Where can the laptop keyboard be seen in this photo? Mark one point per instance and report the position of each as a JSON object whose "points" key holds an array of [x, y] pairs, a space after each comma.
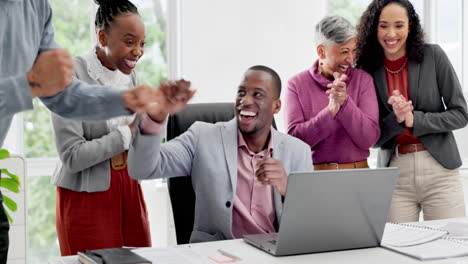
{"points": [[272, 242]]}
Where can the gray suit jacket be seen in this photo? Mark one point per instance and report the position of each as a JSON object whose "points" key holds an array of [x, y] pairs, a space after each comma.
{"points": [[85, 147], [208, 152], [439, 108]]}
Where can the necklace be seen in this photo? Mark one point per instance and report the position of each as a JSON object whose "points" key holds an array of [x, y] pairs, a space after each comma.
{"points": [[399, 70]]}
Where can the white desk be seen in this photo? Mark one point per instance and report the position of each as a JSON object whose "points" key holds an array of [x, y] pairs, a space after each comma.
{"points": [[250, 254]]}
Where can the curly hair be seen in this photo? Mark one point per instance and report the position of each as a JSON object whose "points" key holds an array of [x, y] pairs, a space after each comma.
{"points": [[369, 51]]}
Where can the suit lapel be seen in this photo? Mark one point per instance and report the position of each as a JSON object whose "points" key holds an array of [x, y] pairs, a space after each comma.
{"points": [[380, 81], [413, 76], [278, 151], [277, 145], [229, 138], [230, 144]]}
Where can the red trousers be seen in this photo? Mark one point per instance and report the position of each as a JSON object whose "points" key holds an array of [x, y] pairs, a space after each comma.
{"points": [[113, 218]]}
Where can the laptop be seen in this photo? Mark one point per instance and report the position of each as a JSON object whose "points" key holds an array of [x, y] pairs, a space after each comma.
{"points": [[331, 210]]}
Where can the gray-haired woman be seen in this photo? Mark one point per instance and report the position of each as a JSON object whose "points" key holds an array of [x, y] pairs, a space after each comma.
{"points": [[333, 106]]}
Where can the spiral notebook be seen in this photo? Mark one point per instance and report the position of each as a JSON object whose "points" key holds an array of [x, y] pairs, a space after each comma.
{"points": [[403, 235], [437, 249], [422, 242]]}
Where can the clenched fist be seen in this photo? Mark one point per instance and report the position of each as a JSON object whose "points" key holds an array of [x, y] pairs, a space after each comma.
{"points": [[137, 98], [52, 72], [271, 172], [172, 97]]}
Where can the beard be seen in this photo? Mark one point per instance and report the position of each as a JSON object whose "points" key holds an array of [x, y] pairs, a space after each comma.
{"points": [[252, 131]]}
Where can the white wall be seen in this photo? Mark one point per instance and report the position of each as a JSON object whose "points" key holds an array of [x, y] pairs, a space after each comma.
{"points": [[220, 39]]}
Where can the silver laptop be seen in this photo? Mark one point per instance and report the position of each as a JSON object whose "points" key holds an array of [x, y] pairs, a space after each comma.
{"points": [[331, 210]]}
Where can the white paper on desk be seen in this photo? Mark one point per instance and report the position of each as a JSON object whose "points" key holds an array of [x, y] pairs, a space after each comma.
{"points": [[457, 230], [171, 255], [66, 260], [403, 235], [437, 249]]}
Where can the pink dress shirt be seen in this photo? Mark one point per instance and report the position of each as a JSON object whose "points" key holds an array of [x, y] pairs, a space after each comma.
{"points": [[254, 210], [150, 127]]}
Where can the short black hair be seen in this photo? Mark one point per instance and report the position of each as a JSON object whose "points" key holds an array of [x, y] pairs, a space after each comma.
{"points": [[109, 9], [273, 74]]}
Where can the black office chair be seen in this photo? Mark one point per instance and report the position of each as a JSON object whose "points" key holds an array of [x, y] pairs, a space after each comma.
{"points": [[180, 188]]}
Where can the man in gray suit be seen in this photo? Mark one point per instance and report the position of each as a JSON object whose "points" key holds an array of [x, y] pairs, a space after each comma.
{"points": [[239, 168]]}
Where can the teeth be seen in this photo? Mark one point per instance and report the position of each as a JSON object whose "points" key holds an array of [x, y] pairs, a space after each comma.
{"points": [[247, 113], [391, 42], [343, 68], [131, 63]]}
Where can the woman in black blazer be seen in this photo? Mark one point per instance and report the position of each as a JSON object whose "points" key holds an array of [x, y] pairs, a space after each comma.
{"points": [[421, 102]]}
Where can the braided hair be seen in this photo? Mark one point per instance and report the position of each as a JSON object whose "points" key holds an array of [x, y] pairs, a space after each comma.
{"points": [[109, 9]]}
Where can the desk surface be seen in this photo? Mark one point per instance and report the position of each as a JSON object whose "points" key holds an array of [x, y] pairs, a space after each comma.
{"points": [[250, 254]]}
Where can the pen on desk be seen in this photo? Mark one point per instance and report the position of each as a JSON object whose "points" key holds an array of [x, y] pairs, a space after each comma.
{"points": [[228, 254]]}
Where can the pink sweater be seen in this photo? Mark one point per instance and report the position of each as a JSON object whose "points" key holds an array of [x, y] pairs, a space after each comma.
{"points": [[343, 139]]}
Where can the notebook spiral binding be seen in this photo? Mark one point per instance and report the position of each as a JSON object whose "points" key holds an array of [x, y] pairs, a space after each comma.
{"points": [[455, 240], [420, 226]]}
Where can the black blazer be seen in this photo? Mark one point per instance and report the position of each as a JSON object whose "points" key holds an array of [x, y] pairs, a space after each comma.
{"points": [[439, 108]]}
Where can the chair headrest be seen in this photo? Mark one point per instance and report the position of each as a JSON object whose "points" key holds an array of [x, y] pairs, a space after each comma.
{"points": [[206, 112]]}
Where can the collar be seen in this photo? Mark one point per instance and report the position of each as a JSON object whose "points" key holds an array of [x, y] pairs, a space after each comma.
{"points": [[105, 76], [322, 80], [242, 144]]}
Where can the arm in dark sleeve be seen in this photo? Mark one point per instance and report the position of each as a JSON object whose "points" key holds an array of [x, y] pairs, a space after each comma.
{"points": [[87, 102], [79, 100], [455, 115], [389, 129]]}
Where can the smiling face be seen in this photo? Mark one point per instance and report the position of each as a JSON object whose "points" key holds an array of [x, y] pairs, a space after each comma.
{"points": [[393, 30], [337, 58], [123, 44], [256, 102]]}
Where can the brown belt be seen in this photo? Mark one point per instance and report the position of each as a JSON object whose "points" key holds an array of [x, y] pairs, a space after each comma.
{"points": [[341, 166], [119, 162], [410, 148]]}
